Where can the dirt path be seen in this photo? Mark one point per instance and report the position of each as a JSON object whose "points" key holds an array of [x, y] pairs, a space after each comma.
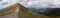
{"points": [[12, 15]]}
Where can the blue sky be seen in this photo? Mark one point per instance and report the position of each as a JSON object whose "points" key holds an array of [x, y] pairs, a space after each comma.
{"points": [[31, 3]]}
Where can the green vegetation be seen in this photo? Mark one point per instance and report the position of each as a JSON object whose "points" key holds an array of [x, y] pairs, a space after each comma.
{"points": [[9, 10], [26, 13]]}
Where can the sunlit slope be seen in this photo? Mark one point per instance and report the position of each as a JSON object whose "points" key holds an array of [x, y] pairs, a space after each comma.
{"points": [[23, 12], [9, 10], [26, 13]]}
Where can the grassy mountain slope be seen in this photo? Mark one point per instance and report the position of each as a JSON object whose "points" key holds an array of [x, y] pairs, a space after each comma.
{"points": [[23, 12], [26, 13], [9, 10]]}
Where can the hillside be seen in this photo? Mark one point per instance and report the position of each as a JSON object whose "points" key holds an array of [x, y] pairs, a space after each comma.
{"points": [[26, 13], [8, 10], [23, 12]]}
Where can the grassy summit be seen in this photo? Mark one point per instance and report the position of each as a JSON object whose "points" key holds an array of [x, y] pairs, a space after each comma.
{"points": [[23, 12], [26, 13]]}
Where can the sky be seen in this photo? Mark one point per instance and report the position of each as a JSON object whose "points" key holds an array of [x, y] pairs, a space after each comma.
{"points": [[31, 3], [41, 3], [6, 3]]}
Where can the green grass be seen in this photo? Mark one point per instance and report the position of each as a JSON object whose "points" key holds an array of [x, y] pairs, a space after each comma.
{"points": [[9, 10], [26, 13]]}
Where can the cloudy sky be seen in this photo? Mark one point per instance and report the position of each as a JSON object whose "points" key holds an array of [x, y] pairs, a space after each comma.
{"points": [[31, 3]]}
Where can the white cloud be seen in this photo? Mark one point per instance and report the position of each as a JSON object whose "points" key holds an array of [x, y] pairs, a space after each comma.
{"points": [[40, 3], [9, 2], [45, 3]]}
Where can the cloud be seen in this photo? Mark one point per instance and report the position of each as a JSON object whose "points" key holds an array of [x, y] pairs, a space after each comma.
{"points": [[6, 3], [45, 3], [38, 3]]}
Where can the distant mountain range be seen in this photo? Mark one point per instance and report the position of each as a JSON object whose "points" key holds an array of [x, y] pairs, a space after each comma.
{"points": [[40, 10]]}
